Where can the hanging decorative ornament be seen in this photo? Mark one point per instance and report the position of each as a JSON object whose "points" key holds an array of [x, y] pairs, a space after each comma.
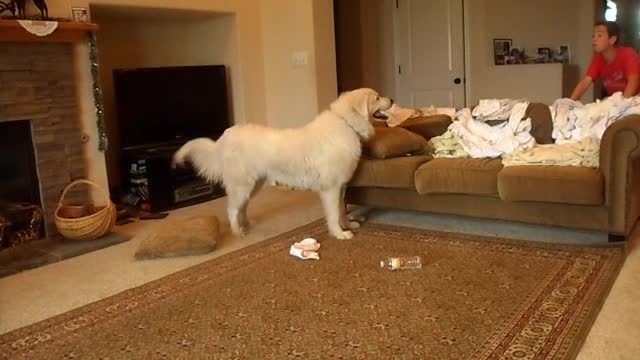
{"points": [[103, 141]]}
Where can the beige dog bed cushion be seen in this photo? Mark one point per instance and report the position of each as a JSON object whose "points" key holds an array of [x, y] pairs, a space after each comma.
{"points": [[180, 236]]}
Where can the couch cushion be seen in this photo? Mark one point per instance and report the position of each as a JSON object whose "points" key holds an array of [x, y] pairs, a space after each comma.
{"points": [[392, 142], [559, 184], [390, 173], [427, 126], [459, 176]]}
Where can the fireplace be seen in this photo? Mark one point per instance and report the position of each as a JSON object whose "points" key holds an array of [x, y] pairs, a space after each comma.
{"points": [[41, 155], [18, 175]]}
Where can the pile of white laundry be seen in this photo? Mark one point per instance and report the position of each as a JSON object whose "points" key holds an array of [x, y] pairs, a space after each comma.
{"points": [[479, 139], [577, 130], [573, 121]]}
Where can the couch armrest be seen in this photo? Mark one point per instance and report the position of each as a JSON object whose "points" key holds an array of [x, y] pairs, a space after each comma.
{"points": [[620, 165]]}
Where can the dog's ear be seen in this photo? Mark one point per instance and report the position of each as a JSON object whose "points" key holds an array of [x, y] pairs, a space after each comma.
{"points": [[353, 107], [352, 103], [361, 105]]}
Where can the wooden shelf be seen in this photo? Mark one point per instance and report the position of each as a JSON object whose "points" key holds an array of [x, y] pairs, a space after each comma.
{"points": [[12, 31]]}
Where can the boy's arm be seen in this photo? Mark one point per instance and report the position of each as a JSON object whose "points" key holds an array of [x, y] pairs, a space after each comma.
{"points": [[632, 86], [583, 85], [631, 70]]}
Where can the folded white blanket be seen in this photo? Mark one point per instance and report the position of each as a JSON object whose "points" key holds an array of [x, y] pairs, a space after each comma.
{"points": [[578, 153]]}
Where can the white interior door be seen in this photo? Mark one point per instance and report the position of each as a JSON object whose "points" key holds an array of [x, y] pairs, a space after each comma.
{"points": [[429, 53]]}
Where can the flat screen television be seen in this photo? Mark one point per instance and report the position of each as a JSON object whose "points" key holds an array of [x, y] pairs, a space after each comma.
{"points": [[170, 105]]}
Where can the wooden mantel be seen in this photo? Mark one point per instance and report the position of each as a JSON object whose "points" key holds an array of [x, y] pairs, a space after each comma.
{"points": [[12, 31]]}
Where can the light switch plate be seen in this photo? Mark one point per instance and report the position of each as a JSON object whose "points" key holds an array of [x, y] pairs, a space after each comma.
{"points": [[299, 58]]}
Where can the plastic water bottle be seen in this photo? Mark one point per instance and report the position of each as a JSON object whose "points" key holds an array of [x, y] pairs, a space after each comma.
{"points": [[401, 263]]}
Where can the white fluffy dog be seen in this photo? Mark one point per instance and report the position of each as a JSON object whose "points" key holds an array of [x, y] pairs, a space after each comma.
{"points": [[320, 156]]}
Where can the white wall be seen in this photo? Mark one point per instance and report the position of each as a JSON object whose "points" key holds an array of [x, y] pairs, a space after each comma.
{"points": [[325, 53], [290, 91]]}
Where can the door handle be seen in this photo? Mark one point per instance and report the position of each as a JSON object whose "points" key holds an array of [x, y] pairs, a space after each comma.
{"points": [[457, 81]]}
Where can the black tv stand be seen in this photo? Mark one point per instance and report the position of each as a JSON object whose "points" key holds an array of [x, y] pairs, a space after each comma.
{"points": [[153, 185]]}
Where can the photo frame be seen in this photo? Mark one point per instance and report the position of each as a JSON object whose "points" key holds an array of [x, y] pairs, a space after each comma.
{"points": [[80, 14], [501, 50], [565, 54], [545, 53]]}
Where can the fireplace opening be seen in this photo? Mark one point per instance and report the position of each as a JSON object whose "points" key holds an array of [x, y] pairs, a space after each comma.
{"points": [[21, 217], [18, 175]]}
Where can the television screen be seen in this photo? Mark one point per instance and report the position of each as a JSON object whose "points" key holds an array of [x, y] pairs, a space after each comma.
{"points": [[170, 105]]}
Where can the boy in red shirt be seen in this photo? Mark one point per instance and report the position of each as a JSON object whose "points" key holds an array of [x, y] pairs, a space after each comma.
{"points": [[616, 66]]}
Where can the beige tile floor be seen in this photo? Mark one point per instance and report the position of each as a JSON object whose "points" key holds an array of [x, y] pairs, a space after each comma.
{"points": [[38, 294]]}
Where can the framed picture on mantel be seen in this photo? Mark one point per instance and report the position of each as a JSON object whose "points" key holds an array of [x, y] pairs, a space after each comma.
{"points": [[501, 50], [80, 14]]}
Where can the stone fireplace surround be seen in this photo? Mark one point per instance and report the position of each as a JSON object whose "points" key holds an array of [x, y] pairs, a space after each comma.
{"points": [[37, 84], [47, 81]]}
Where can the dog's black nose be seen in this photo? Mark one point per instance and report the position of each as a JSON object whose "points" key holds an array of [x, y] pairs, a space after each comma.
{"points": [[390, 99]]}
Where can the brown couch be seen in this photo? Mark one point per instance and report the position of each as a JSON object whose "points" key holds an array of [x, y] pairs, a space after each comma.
{"points": [[603, 199]]}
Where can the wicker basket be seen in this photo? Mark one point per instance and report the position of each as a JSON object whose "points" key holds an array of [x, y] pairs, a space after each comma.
{"points": [[85, 222]]}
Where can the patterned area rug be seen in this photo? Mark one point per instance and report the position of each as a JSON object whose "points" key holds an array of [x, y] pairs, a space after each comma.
{"points": [[475, 298]]}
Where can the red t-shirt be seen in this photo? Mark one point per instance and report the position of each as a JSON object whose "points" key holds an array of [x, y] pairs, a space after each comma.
{"points": [[614, 75]]}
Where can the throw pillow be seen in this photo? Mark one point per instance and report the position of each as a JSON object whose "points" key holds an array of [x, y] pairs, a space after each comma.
{"points": [[394, 142], [427, 126]]}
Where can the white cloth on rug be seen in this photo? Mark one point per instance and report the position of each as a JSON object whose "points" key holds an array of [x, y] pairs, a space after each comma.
{"points": [[306, 249], [494, 109], [482, 140]]}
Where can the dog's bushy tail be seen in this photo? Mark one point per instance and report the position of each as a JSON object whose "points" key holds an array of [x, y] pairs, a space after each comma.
{"points": [[203, 154]]}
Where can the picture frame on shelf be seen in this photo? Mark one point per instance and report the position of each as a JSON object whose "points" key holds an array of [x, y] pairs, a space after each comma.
{"points": [[80, 14], [545, 54], [565, 54], [501, 50]]}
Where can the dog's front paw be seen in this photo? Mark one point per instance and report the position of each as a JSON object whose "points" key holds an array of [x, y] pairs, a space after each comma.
{"points": [[345, 235]]}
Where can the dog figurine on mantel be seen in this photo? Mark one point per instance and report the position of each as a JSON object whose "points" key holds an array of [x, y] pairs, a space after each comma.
{"points": [[19, 5]]}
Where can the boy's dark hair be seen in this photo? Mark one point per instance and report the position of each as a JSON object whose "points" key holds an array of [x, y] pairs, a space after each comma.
{"points": [[612, 29]]}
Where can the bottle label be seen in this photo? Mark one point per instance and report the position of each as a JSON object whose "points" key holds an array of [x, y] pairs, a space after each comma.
{"points": [[395, 263]]}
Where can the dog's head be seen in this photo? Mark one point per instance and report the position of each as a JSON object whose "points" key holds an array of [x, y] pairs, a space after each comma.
{"points": [[358, 107]]}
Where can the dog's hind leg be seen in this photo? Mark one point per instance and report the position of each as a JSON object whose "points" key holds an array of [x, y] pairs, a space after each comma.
{"points": [[243, 218], [344, 220], [237, 202], [331, 203]]}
